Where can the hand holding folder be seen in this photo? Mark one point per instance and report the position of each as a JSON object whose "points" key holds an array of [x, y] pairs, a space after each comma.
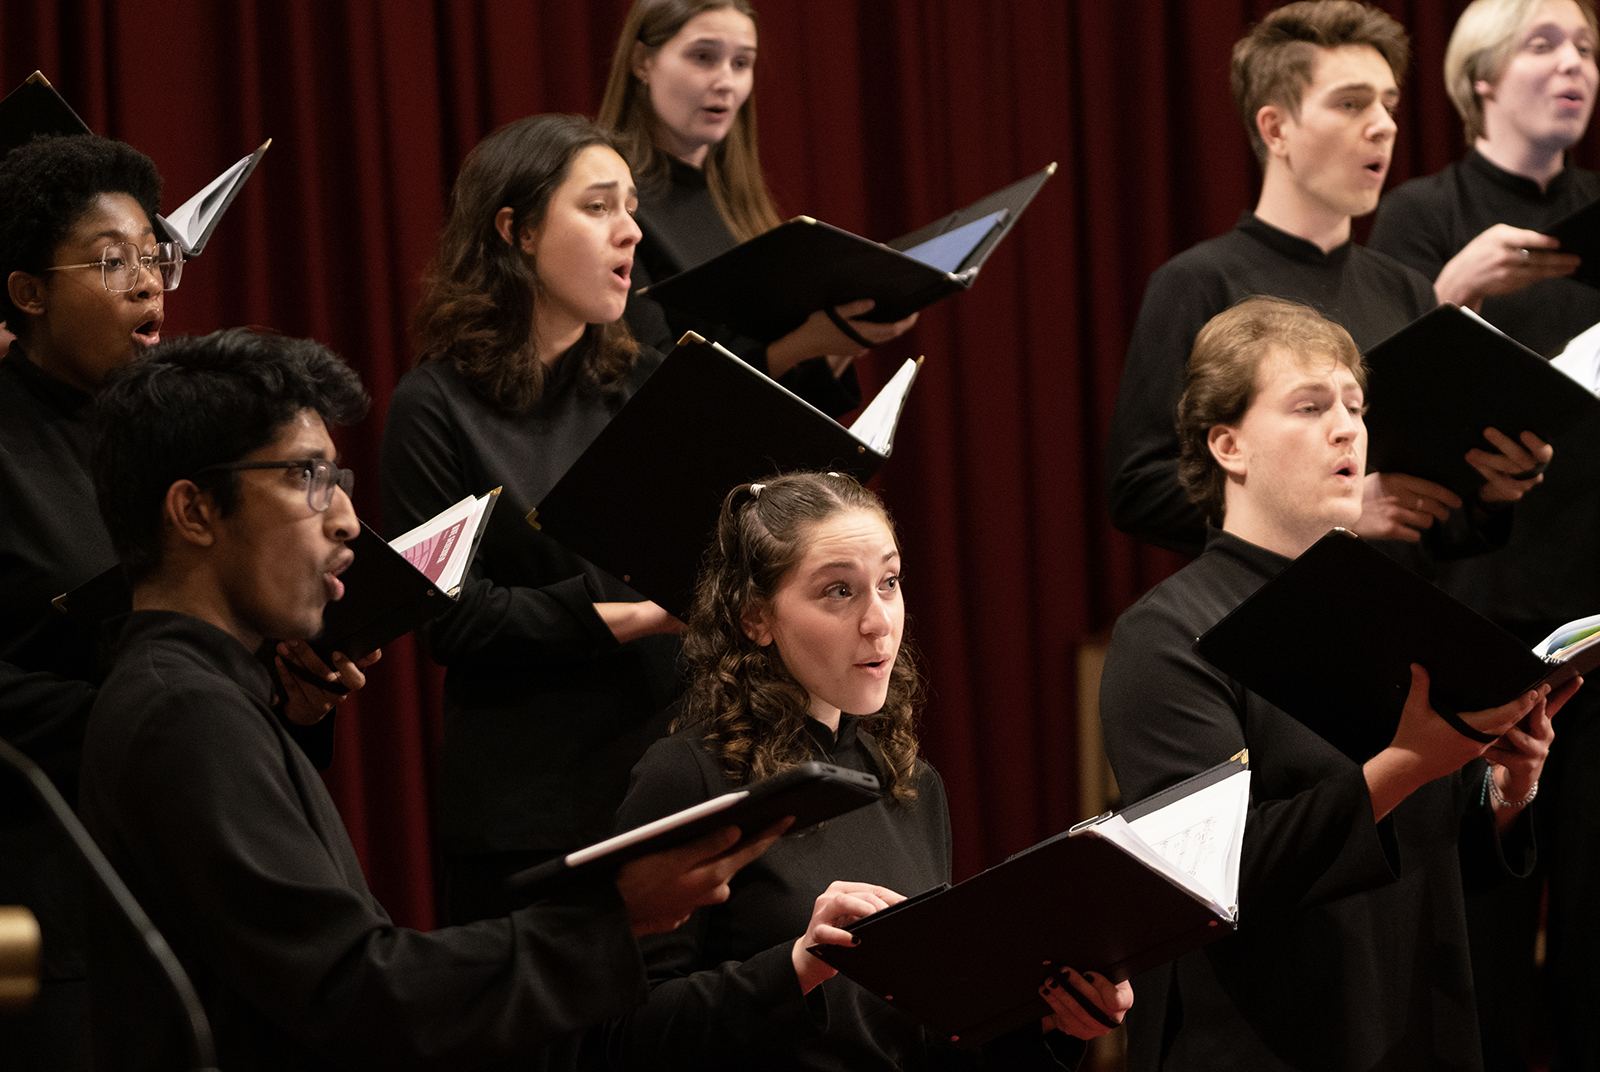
{"points": [[770, 285], [1436, 385], [1114, 895]]}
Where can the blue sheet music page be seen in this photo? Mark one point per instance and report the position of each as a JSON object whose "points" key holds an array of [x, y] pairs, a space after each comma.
{"points": [[950, 249]]}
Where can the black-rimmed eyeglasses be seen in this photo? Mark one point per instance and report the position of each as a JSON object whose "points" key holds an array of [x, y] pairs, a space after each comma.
{"points": [[321, 477], [121, 263]]}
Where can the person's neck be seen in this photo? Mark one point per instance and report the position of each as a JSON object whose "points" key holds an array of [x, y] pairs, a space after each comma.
{"points": [[191, 592], [556, 338], [1536, 162], [693, 155], [1286, 207], [1288, 540], [45, 356], [828, 716]]}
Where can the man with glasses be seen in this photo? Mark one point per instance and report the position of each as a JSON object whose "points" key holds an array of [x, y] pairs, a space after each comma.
{"points": [[85, 281], [218, 484]]}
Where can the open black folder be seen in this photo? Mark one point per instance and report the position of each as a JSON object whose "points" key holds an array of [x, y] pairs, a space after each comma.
{"points": [[811, 792], [1117, 895], [385, 594], [641, 502], [768, 286], [1331, 639], [1579, 232], [1437, 383], [35, 108]]}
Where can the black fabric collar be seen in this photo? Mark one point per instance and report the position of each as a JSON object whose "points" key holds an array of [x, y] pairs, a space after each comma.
{"points": [[215, 647], [1520, 185], [1253, 558], [58, 395], [1292, 246], [829, 741], [686, 174]]}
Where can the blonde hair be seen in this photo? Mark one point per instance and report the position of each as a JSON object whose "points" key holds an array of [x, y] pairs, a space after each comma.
{"points": [[1481, 45], [732, 167], [1275, 61]]}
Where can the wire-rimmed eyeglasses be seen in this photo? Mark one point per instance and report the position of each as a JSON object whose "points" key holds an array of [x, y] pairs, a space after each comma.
{"points": [[321, 477], [121, 263]]}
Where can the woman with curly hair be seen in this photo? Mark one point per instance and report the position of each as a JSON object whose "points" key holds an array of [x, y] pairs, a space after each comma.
{"points": [[556, 671], [796, 650], [681, 92]]}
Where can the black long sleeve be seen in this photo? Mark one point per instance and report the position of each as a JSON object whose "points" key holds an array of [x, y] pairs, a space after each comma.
{"points": [[723, 988], [1369, 294], [230, 841], [1351, 942], [682, 230]]}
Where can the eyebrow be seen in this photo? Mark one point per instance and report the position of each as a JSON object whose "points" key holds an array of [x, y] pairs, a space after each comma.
{"points": [[850, 563], [113, 235], [719, 41], [611, 185], [1370, 87]]}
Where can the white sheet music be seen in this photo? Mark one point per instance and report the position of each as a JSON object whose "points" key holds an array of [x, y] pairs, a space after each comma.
{"points": [[1581, 359]]}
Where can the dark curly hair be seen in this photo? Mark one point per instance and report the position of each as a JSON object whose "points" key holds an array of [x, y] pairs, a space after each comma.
{"points": [[750, 707], [194, 401], [480, 293], [47, 185]]}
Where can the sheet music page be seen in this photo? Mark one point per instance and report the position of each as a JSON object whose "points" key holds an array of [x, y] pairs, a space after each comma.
{"points": [[1195, 841], [441, 547], [1581, 359], [875, 427], [1202, 834]]}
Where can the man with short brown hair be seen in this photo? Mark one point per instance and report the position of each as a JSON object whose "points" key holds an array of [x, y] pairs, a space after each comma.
{"points": [[1316, 83], [1351, 949]]}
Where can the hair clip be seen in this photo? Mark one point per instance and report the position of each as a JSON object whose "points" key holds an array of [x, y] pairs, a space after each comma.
{"points": [[755, 490]]}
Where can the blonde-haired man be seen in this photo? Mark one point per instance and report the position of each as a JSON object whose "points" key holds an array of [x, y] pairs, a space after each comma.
{"points": [[1523, 75]]}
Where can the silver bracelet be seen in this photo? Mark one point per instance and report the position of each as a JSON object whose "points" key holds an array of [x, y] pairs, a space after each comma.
{"points": [[1502, 802]]}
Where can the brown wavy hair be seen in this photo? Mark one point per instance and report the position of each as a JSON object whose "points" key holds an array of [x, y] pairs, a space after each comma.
{"points": [[480, 294], [752, 710], [1220, 386], [732, 167]]}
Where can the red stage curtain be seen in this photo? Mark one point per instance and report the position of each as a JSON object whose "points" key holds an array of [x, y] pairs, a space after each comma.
{"points": [[876, 115]]}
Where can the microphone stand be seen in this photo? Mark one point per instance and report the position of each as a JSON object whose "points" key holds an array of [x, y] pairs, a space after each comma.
{"points": [[201, 1048]]}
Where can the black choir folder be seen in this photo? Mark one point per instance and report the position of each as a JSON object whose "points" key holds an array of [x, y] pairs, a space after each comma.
{"points": [[1117, 895], [768, 286], [1437, 383], [1579, 232], [390, 588], [35, 108], [642, 501], [811, 792], [1331, 639]]}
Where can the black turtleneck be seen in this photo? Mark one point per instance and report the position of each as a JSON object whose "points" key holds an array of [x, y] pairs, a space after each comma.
{"points": [[1549, 573], [545, 713], [1351, 948], [1428, 220], [724, 993], [1368, 294], [228, 838], [51, 541], [682, 230]]}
